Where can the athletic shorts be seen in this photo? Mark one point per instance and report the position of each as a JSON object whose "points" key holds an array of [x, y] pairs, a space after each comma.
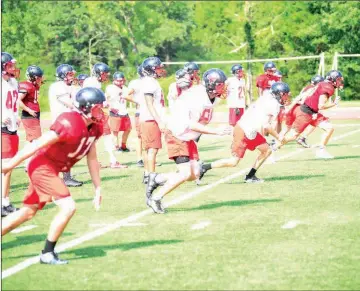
{"points": [[241, 143], [32, 128], [150, 135], [235, 115], [9, 145], [180, 148], [303, 119], [120, 123], [45, 183]]}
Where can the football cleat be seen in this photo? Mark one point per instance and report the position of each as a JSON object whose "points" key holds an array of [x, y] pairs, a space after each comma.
{"points": [[117, 165], [253, 180], [145, 179], [323, 154], [156, 206], [152, 185], [51, 258], [124, 150], [4, 212], [158, 164], [302, 141], [71, 182], [140, 164], [202, 171], [10, 208]]}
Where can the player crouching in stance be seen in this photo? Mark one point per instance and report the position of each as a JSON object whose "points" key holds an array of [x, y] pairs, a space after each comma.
{"points": [[248, 132], [185, 125], [71, 137], [308, 113]]}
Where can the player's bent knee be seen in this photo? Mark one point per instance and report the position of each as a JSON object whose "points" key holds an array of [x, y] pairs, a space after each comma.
{"points": [[67, 205]]}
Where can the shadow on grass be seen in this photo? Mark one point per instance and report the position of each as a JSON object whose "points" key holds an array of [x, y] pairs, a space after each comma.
{"points": [[101, 251], [282, 178], [232, 203], [106, 178], [22, 240], [336, 158]]}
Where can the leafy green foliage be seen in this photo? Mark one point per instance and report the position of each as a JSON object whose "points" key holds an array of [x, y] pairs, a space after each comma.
{"points": [[122, 34]]}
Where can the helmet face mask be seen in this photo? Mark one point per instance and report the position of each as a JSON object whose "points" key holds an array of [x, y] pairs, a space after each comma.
{"points": [[35, 75], [97, 115], [66, 73], [281, 92], [183, 79], [153, 67], [214, 81], [11, 69], [89, 101], [270, 68], [70, 77], [160, 71]]}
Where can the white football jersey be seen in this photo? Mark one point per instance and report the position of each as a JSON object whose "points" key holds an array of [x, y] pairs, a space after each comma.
{"points": [[9, 106], [136, 86], [57, 90], [258, 115], [114, 96], [151, 86], [92, 82], [235, 92], [172, 95], [193, 105]]}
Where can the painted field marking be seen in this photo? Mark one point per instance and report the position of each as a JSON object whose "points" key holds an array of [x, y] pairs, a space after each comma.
{"points": [[291, 224], [133, 218], [201, 225], [24, 228]]}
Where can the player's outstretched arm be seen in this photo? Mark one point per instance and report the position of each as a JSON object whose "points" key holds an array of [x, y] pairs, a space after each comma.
{"points": [[29, 149], [93, 165], [198, 127]]}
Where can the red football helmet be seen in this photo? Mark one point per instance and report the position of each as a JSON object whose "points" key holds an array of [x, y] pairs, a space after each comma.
{"points": [[8, 66]]}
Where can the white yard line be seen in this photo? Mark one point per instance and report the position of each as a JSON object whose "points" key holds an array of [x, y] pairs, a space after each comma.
{"points": [[133, 218], [24, 228]]}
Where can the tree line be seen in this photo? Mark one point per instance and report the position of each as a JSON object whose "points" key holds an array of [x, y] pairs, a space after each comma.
{"points": [[122, 34]]}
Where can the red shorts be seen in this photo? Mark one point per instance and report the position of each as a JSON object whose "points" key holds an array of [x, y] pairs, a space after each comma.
{"points": [[32, 128], [233, 117], [281, 115], [106, 128], [45, 183], [303, 119], [180, 148], [122, 123], [137, 125], [241, 143], [9, 145], [150, 135]]}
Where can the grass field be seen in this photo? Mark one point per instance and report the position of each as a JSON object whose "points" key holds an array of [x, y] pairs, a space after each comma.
{"points": [[298, 230]]}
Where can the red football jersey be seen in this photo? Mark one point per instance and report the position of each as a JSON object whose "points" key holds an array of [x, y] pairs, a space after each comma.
{"points": [[265, 81], [75, 140], [32, 94], [322, 88], [307, 87]]}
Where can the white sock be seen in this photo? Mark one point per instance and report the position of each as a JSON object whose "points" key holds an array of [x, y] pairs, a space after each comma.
{"points": [[108, 143], [5, 201]]}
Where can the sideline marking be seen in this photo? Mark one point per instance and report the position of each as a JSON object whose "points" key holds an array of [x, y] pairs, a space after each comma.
{"points": [[99, 232], [291, 224]]}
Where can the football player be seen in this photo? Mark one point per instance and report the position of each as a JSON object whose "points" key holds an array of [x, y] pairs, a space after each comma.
{"points": [[9, 123], [152, 113], [29, 103], [135, 92], [264, 81], [72, 136], [193, 112], [308, 113], [60, 101], [236, 100], [301, 140], [100, 74], [117, 95], [249, 131], [81, 78], [194, 70]]}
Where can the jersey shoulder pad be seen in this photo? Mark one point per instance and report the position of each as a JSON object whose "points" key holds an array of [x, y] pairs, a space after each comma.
{"points": [[26, 87], [68, 125], [326, 88]]}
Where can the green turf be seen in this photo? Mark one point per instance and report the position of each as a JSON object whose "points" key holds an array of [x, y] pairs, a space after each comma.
{"points": [[243, 247]]}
